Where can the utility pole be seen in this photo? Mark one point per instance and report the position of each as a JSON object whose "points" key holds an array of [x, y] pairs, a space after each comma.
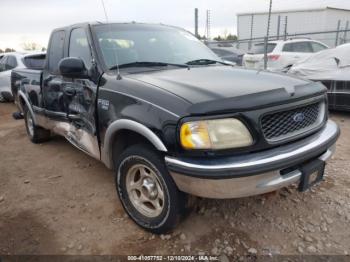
{"points": [[196, 22], [251, 32], [345, 40], [267, 35], [337, 34], [285, 28], [208, 25], [278, 27]]}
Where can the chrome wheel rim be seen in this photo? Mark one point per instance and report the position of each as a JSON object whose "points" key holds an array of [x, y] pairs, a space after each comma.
{"points": [[144, 190], [30, 124]]}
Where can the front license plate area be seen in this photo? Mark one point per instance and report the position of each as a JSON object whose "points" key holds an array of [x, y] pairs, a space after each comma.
{"points": [[312, 173]]}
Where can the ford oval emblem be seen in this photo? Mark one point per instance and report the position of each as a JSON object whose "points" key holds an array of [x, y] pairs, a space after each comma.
{"points": [[299, 117]]}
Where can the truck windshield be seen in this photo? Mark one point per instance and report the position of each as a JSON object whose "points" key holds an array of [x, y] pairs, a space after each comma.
{"points": [[132, 43]]}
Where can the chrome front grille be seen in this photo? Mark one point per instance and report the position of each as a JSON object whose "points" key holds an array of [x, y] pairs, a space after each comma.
{"points": [[289, 123]]}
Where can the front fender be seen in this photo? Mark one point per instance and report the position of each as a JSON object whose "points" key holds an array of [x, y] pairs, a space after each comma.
{"points": [[127, 124]]}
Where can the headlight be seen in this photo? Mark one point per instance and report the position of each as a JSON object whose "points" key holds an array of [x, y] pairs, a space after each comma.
{"points": [[215, 134]]}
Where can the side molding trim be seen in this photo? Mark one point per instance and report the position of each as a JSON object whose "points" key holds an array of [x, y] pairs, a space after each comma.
{"points": [[127, 124], [26, 101]]}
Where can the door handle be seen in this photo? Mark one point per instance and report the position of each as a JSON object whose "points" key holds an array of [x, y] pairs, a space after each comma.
{"points": [[77, 120], [74, 117], [69, 91]]}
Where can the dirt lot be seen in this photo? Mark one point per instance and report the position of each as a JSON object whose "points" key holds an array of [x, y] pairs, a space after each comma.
{"points": [[54, 199]]}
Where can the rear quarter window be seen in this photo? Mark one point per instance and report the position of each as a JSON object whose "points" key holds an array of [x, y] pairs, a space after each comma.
{"points": [[34, 62], [56, 50], [298, 47], [317, 47]]}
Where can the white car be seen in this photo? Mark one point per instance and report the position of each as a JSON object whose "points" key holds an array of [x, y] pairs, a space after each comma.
{"points": [[9, 61], [332, 68], [282, 54]]}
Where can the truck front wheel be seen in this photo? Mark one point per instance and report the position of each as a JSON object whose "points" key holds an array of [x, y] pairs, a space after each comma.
{"points": [[148, 193], [36, 133]]}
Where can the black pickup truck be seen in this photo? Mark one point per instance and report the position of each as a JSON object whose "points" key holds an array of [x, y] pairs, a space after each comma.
{"points": [[172, 119]]}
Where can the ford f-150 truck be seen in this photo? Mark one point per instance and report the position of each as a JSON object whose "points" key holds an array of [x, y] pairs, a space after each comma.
{"points": [[161, 109]]}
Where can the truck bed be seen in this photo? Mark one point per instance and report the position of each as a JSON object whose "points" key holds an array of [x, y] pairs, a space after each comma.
{"points": [[27, 81]]}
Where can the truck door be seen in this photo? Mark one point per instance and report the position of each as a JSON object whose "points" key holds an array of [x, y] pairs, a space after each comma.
{"points": [[52, 89], [80, 97]]}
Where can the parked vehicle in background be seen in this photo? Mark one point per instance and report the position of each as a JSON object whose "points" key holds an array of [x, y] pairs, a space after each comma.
{"points": [[332, 68], [10, 61], [31, 62], [281, 54], [158, 107], [230, 54], [227, 52]]}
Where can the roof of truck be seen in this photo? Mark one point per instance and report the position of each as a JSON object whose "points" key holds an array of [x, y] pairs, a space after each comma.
{"points": [[82, 24]]}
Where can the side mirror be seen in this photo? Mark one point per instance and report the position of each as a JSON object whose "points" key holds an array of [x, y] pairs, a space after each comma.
{"points": [[72, 67]]}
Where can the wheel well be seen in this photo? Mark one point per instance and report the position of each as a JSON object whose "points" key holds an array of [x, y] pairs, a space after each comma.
{"points": [[22, 102], [125, 138]]}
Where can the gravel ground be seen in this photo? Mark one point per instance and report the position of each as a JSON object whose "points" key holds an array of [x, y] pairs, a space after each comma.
{"points": [[54, 199]]}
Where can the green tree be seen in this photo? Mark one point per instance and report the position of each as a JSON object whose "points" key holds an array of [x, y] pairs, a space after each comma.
{"points": [[7, 50], [218, 38], [30, 46], [201, 37], [231, 37]]}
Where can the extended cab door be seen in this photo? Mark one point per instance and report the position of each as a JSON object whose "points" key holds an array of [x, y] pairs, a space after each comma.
{"points": [[70, 102], [55, 107], [80, 95]]}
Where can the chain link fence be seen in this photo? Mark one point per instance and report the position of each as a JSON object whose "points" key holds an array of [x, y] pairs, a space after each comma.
{"points": [[330, 38]]}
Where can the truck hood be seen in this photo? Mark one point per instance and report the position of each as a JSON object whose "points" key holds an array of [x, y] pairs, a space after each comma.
{"points": [[224, 88]]}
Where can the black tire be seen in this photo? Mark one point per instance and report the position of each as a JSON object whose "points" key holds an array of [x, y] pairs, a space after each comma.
{"points": [[36, 134], [174, 204]]}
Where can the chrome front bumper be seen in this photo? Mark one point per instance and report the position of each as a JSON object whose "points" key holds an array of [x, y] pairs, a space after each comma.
{"points": [[253, 174]]}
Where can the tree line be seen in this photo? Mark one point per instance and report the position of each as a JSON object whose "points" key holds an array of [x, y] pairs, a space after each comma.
{"points": [[26, 46], [228, 37]]}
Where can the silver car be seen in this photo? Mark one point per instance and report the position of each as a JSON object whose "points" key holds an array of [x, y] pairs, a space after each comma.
{"points": [[9, 61]]}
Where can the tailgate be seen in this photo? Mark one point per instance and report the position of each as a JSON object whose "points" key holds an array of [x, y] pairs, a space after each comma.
{"points": [[253, 61]]}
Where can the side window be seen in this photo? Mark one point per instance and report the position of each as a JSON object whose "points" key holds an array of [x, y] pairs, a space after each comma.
{"points": [[56, 50], [35, 61], [317, 47], [11, 62], [287, 48], [79, 46], [302, 47], [3, 63], [298, 47]]}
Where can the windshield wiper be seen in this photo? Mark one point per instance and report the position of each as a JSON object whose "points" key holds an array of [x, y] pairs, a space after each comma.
{"points": [[146, 64], [205, 62]]}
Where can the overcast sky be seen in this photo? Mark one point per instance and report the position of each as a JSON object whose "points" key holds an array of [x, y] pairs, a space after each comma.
{"points": [[33, 20]]}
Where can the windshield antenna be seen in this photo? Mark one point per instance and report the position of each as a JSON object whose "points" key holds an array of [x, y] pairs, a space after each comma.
{"points": [[119, 77]]}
